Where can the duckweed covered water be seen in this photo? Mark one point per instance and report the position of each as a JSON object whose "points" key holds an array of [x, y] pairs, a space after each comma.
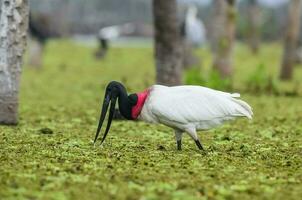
{"points": [[50, 154]]}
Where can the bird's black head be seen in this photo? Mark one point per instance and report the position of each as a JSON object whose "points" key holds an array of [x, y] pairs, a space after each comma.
{"points": [[115, 91]]}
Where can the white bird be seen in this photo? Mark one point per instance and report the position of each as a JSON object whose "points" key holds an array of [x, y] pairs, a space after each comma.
{"points": [[109, 33], [113, 32], [183, 108], [194, 29]]}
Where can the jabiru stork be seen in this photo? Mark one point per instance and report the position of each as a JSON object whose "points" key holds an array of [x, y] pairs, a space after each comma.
{"points": [[183, 108]]}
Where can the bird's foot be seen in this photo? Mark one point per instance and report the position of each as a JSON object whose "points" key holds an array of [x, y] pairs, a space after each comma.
{"points": [[179, 145], [199, 145]]}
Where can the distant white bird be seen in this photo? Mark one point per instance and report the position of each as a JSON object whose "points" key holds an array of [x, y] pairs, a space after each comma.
{"points": [[194, 29], [113, 32], [109, 33], [183, 108]]}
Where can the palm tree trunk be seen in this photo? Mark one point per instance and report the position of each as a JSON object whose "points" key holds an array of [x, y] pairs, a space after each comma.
{"points": [[13, 32], [291, 39], [254, 18], [168, 48], [224, 26]]}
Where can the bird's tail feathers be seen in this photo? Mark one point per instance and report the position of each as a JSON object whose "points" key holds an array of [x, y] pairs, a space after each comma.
{"points": [[244, 108], [235, 95]]}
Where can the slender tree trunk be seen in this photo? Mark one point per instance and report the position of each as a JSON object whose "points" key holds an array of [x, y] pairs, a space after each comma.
{"points": [[224, 26], [168, 48], [291, 39], [13, 32], [254, 19]]}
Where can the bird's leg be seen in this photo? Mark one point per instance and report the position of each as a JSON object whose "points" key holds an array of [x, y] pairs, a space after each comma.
{"points": [[199, 145], [193, 134], [178, 145], [178, 136]]}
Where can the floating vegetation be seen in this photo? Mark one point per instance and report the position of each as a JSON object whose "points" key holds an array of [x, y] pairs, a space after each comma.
{"points": [[258, 159]]}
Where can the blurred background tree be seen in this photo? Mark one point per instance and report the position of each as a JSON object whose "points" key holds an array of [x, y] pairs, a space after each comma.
{"points": [[13, 23], [291, 39], [224, 26], [253, 29], [168, 46]]}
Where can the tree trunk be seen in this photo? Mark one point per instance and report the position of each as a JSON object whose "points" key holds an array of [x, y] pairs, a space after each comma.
{"points": [[13, 32], [254, 19], [168, 48], [223, 36], [291, 39]]}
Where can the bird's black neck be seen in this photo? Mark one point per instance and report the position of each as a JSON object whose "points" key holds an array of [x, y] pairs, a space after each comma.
{"points": [[125, 102]]}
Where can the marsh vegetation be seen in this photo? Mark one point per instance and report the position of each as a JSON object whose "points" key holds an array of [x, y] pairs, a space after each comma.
{"points": [[50, 154]]}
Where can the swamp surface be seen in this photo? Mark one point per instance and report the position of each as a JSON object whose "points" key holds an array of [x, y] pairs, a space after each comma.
{"points": [[50, 154]]}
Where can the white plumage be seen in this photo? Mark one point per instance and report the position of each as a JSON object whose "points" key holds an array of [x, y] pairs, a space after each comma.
{"points": [[195, 31], [114, 32], [192, 108]]}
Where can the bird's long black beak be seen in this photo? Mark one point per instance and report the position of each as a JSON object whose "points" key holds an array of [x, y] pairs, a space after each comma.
{"points": [[105, 106], [111, 113]]}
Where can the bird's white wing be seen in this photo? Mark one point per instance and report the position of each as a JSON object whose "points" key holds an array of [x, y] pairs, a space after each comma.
{"points": [[195, 104]]}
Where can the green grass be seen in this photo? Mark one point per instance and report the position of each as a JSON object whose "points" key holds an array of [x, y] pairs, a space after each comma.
{"points": [[258, 159]]}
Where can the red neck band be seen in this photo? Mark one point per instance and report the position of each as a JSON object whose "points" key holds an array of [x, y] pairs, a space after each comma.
{"points": [[141, 98]]}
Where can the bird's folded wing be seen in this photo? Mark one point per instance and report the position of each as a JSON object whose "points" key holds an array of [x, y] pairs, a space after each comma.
{"points": [[185, 104]]}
